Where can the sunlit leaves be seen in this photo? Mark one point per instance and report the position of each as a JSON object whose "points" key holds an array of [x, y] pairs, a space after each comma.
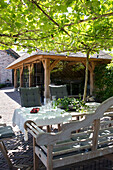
{"points": [[75, 25]]}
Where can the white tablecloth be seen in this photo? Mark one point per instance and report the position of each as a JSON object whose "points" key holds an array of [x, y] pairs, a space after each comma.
{"points": [[42, 118]]}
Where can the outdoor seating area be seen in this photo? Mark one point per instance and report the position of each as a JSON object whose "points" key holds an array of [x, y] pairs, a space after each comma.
{"points": [[56, 85], [54, 138], [67, 147]]}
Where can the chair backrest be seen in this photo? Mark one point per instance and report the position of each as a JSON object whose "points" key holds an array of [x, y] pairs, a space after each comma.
{"points": [[60, 91], [30, 96]]}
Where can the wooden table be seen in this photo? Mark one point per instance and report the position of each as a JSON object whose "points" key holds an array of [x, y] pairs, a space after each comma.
{"points": [[42, 118]]}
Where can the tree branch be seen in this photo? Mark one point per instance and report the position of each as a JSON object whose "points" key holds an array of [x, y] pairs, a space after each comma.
{"points": [[5, 21], [18, 34], [88, 19], [34, 2], [19, 45]]}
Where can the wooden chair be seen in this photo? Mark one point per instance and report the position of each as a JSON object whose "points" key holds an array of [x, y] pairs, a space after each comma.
{"points": [[66, 147], [6, 133], [30, 96]]}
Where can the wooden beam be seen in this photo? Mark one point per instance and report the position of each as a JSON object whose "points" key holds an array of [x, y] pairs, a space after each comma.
{"points": [[15, 78], [63, 58], [30, 74], [26, 61], [53, 64], [92, 67], [84, 63], [43, 62], [73, 63], [54, 57], [21, 76], [47, 78]]}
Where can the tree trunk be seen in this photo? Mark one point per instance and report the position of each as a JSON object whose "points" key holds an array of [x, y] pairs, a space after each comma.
{"points": [[86, 77]]}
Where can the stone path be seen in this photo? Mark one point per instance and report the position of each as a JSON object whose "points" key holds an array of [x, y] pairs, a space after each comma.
{"points": [[9, 101]]}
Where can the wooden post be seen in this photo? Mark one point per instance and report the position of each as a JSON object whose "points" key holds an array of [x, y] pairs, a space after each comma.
{"points": [[47, 69], [35, 157], [49, 157], [30, 75], [47, 77], [95, 134], [91, 82], [15, 79], [21, 76], [91, 69]]}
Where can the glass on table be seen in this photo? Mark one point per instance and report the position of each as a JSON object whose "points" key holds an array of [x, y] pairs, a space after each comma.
{"points": [[48, 105], [54, 106], [42, 108]]}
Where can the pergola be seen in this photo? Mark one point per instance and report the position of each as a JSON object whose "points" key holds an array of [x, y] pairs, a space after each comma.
{"points": [[50, 60]]}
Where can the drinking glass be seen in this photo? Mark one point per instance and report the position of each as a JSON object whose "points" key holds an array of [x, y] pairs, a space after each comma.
{"points": [[53, 102]]}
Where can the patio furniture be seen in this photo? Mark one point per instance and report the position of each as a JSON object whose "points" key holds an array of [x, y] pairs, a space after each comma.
{"points": [[6, 133], [67, 147], [30, 96], [44, 117], [58, 90]]}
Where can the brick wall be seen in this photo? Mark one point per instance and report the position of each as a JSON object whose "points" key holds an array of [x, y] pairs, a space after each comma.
{"points": [[5, 60]]}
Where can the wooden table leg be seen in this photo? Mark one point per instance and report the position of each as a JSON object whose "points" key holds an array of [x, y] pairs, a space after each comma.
{"points": [[59, 127], [48, 128]]}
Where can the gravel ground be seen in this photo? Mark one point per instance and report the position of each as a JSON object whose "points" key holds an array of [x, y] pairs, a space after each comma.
{"points": [[9, 101]]}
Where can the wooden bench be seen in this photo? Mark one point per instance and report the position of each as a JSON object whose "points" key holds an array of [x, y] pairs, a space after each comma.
{"points": [[67, 147]]}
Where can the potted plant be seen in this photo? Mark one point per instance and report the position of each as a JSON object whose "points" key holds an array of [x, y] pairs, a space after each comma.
{"points": [[68, 103]]}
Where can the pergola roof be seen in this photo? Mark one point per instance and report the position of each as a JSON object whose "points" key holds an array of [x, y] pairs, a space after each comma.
{"points": [[38, 55]]}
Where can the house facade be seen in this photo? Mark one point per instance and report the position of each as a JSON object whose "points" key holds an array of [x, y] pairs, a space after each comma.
{"points": [[7, 57]]}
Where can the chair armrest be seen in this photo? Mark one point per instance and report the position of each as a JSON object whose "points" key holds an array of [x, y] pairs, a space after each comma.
{"points": [[32, 128], [2, 124]]}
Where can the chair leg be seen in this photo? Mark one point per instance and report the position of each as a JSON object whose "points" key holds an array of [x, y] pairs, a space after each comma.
{"points": [[4, 152], [35, 157], [4, 147]]}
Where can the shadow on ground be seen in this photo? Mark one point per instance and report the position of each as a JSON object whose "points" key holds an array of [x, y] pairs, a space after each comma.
{"points": [[14, 96], [21, 155]]}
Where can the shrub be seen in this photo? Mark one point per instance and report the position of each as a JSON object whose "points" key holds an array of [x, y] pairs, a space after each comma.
{"points": [[103, 82], [2, 85], [68, 103]]}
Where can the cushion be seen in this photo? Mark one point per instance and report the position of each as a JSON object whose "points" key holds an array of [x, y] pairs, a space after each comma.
{"points": [[30, 97], [58, 91], [6, 132]]}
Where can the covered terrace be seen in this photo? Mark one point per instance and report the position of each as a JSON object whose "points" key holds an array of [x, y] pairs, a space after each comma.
{"points": [[42, 63]]}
